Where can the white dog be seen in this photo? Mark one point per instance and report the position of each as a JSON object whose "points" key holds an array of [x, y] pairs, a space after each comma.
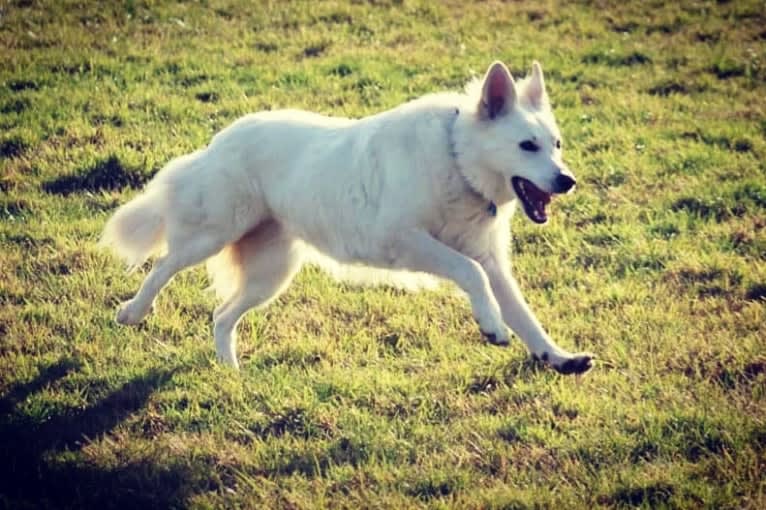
{"points": [[428, 187]]}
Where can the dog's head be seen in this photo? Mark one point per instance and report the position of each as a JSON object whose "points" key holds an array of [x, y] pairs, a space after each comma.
{"points": [[521, 141]]}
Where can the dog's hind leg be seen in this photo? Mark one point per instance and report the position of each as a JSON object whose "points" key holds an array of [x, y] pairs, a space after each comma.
{"points": [[269, 259], [182, 253]]}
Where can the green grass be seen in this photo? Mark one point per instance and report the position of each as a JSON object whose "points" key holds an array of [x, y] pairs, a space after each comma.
{"points": [[352, 397]]}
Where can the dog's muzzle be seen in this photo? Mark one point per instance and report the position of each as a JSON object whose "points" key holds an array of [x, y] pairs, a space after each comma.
{"points": [[563, 183]]}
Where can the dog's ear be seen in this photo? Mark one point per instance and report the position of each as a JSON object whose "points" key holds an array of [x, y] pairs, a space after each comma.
{"points": [[498, 93], [534, 93]]}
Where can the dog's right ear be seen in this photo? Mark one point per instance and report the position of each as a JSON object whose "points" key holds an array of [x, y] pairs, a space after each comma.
{"points": [[498, 93]]}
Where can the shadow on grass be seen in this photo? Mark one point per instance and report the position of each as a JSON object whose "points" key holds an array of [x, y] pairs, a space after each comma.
{"points": [[33, 476], [653, 495], [106, 175]]}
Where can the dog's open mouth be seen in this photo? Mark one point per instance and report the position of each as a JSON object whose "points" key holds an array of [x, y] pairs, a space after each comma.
{"points": [[533, 198]]}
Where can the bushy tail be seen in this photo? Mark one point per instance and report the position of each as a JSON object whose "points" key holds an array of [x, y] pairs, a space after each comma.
{"points": [[137, 230]]}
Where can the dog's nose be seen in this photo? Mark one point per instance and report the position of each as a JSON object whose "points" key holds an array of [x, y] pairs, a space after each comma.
{"points": [[564, 183]]}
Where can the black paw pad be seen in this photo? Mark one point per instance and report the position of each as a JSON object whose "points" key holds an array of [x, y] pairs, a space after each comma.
{"points": [[577, 365], [492, 338]]}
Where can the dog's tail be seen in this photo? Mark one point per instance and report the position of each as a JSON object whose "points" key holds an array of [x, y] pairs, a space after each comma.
{"points": [[137, 230]]}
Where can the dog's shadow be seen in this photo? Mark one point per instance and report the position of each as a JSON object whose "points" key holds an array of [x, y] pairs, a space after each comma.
{"points": [[29, 474]]}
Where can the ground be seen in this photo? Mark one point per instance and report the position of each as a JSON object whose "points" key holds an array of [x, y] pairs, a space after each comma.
{"points": [[354, 397]]}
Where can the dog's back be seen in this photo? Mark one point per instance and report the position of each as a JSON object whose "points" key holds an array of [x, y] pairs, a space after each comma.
{"points": [[340, 185]]}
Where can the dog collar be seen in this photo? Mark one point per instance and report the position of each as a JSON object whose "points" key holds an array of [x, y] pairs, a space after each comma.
{"points": [[491, 207]]}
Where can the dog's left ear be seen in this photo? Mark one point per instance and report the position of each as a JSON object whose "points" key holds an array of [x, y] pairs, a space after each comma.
{"points": [[534, 93]]}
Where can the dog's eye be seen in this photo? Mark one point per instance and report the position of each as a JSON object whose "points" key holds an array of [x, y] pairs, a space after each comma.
{"points": [[558, 144], [529, 145]]}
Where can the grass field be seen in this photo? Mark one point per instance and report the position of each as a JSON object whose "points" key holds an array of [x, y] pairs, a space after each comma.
{"points": [[374, 398]]}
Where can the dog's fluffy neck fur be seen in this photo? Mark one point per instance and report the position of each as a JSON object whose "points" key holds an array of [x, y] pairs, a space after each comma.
{"points": [[491, 206]]}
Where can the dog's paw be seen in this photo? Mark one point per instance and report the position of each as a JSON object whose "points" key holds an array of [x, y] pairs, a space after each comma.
{"points": [[128, 314], [495, 339], [575, 364], [228, 359]]}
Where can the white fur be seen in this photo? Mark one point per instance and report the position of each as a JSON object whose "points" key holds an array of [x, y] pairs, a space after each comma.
{"points": [[405, 192]]}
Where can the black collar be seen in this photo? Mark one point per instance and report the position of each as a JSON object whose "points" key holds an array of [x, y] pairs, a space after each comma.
{"points": [[491, 206]]}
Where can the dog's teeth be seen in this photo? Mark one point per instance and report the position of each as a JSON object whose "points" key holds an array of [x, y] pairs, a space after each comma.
{"points": [[523, 188]]}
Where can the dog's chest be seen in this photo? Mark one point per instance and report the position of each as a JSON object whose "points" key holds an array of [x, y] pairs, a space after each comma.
{"points": [[467, 223]]}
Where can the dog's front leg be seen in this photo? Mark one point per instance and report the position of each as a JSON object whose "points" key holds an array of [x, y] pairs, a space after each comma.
{"points": [[522, 321], [419, 251]]}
